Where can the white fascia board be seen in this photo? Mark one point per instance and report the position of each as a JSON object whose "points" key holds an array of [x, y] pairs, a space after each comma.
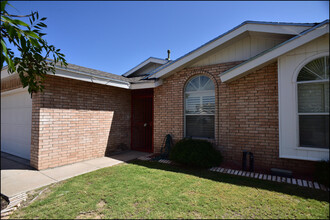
{"points": [[156, 60], [277, 29], [266, 28], [252, 65], [144, 63], [82, 76], [147, 85]]}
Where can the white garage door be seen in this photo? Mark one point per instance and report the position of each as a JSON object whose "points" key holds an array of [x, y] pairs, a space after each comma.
{"points": [[16, 116]]}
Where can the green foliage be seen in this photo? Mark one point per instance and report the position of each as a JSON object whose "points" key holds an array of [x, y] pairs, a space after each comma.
{"points": [[322, 172], [33, 63], [197, 153]]}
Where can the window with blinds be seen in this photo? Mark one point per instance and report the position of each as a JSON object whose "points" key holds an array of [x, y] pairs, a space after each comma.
{"points": [[199, 107], [313, 104]]}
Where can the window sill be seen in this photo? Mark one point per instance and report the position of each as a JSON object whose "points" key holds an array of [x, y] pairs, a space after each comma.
{"points": [[311, 149], [300, 158], [202, 138]]}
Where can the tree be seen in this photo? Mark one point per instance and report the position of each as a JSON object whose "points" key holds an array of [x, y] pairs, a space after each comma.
{"points": [[33, 61]]}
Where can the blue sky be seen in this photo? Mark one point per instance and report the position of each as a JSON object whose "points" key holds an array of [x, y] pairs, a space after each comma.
{"points": [[116, 36]]}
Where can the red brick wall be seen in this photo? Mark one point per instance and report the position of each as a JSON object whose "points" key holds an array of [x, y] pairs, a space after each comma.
{"points": [[75, 121], [246, 115]]}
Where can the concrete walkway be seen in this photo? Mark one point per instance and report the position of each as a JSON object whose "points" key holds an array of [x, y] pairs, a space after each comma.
{"points": [[17, 176]]}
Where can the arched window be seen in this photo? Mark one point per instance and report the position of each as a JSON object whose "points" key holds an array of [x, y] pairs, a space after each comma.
{"points": [[199, 107], [313, 104]]}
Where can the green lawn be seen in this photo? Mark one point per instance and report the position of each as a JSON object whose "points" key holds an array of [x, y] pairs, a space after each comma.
{"points": [[153, 190]]}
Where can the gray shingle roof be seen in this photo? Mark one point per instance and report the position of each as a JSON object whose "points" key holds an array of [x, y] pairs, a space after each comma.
{"points": [[138, 79], [106, 74], [95, 72]]}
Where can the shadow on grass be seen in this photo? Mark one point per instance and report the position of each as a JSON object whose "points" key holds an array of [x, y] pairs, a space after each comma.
{"points": [[285, 188]]}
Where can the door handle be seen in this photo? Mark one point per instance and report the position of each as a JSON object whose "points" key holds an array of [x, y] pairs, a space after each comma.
{"points": [[145, 125]]}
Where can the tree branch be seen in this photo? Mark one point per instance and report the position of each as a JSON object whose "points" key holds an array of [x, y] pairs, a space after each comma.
{"points": [[19, 16], [5, 35]]}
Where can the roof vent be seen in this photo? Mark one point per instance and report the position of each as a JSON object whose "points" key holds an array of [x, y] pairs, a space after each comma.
{"points": [[168, 54]]}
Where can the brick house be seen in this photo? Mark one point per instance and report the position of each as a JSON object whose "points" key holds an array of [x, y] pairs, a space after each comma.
{"points": [[261, 87]]}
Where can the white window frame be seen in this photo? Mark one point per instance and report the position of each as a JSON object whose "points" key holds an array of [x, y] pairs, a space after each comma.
{"points": [[204, 93], [289, 66], [299, 147]]}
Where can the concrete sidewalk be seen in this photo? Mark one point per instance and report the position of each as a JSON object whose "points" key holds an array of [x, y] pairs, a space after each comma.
{"points": [[18, 177]]}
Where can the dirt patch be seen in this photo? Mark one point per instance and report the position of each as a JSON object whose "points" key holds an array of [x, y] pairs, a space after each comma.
{"points": [[101, 204], [93, 214], [4, 202], [90, 215]]}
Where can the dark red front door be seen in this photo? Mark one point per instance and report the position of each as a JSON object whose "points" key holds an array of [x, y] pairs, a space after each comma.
{"points": [[142, 123]]}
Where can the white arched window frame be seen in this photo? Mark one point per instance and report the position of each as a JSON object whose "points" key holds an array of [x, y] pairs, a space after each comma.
{"points": [[313, 104], [199, 108]]}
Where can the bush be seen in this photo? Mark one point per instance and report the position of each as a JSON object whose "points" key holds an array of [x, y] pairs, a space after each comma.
{"points": [[197, 153], [322, 172]]}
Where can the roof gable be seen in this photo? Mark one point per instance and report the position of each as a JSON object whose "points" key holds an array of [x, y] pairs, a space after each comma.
{"points": [[145, 67], [269, 55], [251, 44], [230, 36]]}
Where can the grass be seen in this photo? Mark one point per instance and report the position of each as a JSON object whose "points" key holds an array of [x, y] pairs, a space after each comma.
{"points": [[152, 190]]}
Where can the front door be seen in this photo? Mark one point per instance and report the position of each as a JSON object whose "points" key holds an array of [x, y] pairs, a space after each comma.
{"points": [[142, 123]]}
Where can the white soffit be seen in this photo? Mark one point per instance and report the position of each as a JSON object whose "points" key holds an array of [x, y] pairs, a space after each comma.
{"points": [[146, 85], [271, 54], [252, 27]]}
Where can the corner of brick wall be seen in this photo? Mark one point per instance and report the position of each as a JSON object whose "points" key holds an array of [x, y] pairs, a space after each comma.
{"points": [[34, 151], [75, 121]]}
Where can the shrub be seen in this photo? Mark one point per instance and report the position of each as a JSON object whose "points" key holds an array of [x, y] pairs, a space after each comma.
{"points": [[197, 153], [322, 172]]}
